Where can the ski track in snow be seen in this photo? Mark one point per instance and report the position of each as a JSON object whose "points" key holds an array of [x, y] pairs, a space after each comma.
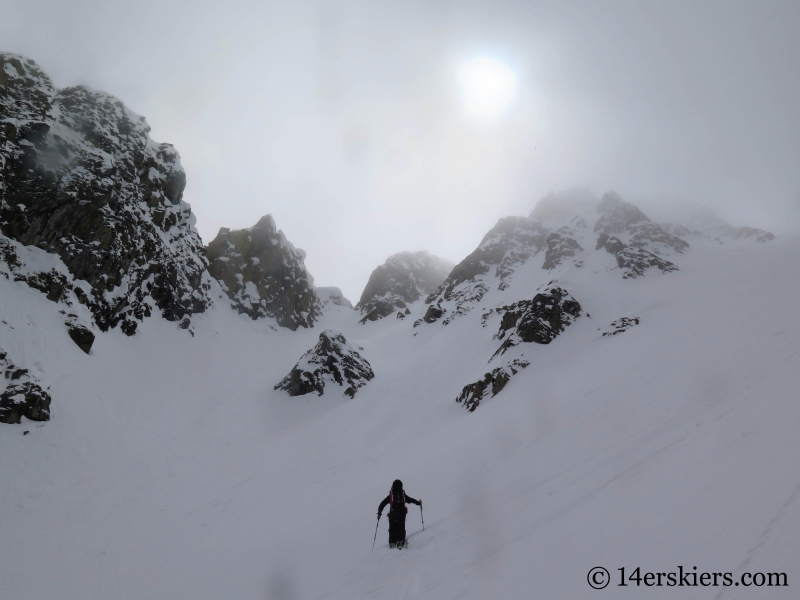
{"points": [[172, 469]]}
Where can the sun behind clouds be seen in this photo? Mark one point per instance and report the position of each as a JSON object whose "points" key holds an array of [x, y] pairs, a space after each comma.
{"points": [[487, 86]]}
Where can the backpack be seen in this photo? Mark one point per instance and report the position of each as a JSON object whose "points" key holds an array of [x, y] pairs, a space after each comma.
{"points": [[397, 503]]}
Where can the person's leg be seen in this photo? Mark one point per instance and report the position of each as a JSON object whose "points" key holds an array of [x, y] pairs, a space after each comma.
{"points": [[401, 529], [393, 534]]}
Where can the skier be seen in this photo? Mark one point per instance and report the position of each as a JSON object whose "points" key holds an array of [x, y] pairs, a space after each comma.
{"points": [[396, 500]]}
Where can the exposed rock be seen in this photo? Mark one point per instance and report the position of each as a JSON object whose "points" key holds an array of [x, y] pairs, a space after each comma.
{"points": [[81, 335], [503, 249], [621, 325], [332, 360], [539, 320], [492, 382], [402, 280], [559, 247], [82, 179], [635, 261], [434, 312], [612, 244], [264, 275], [21, 395]]}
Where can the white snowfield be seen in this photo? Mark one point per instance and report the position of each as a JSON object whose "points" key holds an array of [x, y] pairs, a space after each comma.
{"points": [[171, 469]]}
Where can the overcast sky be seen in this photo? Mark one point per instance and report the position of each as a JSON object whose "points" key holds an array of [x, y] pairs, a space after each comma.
{"points": [[348, 121]]}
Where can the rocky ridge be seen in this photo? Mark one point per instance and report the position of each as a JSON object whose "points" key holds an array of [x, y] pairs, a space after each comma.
{"points": [[565, 238], [402, 280], [333, 360], [82, 179]]}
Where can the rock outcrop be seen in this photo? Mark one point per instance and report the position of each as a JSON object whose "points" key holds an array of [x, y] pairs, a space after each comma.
{"points": [[492, 383], [621, 326], [539, 320], [264, 275], [632, 260], [635, 261], [21, 394], [402, 280], [333, 360], [82, 179], [560, 246]]}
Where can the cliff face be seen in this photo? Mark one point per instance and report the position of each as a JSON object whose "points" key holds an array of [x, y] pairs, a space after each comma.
{"points": [[82, 179], [264, 275]]}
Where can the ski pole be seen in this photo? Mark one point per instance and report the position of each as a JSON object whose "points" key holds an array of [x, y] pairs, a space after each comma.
{"points": [[421, 515], [376, 533]]}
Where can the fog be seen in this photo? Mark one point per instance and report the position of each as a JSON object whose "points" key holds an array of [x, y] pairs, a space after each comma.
{"points": [[347, 121]]}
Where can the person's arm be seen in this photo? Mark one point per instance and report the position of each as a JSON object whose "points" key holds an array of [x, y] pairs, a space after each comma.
{"points": [[410, 499], [382, 506]]}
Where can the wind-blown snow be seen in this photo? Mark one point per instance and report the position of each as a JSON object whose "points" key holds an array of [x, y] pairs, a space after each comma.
{"points": [[172, 469]]}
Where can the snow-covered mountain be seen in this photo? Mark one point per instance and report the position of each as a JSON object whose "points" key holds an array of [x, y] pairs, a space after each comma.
{"points": [[625, 407], [402, 280]]}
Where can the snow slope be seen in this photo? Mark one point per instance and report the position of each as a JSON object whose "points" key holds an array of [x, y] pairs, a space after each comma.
{"points": [[172, 469]]}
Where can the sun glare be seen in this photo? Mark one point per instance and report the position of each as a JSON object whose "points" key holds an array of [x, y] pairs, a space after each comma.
{"points": [[487, 86]]}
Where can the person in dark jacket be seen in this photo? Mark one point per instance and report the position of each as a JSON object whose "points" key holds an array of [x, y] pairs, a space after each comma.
{"points": [[396, 500]]}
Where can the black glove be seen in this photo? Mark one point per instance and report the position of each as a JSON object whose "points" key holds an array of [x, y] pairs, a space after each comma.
{"points": [[379, 516]]}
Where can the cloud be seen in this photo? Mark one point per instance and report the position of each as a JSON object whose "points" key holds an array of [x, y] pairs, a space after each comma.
{"points": [[344, 120]]}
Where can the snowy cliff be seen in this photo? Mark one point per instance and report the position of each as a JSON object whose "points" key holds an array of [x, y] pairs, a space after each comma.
{"points": [[82, 179]]}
